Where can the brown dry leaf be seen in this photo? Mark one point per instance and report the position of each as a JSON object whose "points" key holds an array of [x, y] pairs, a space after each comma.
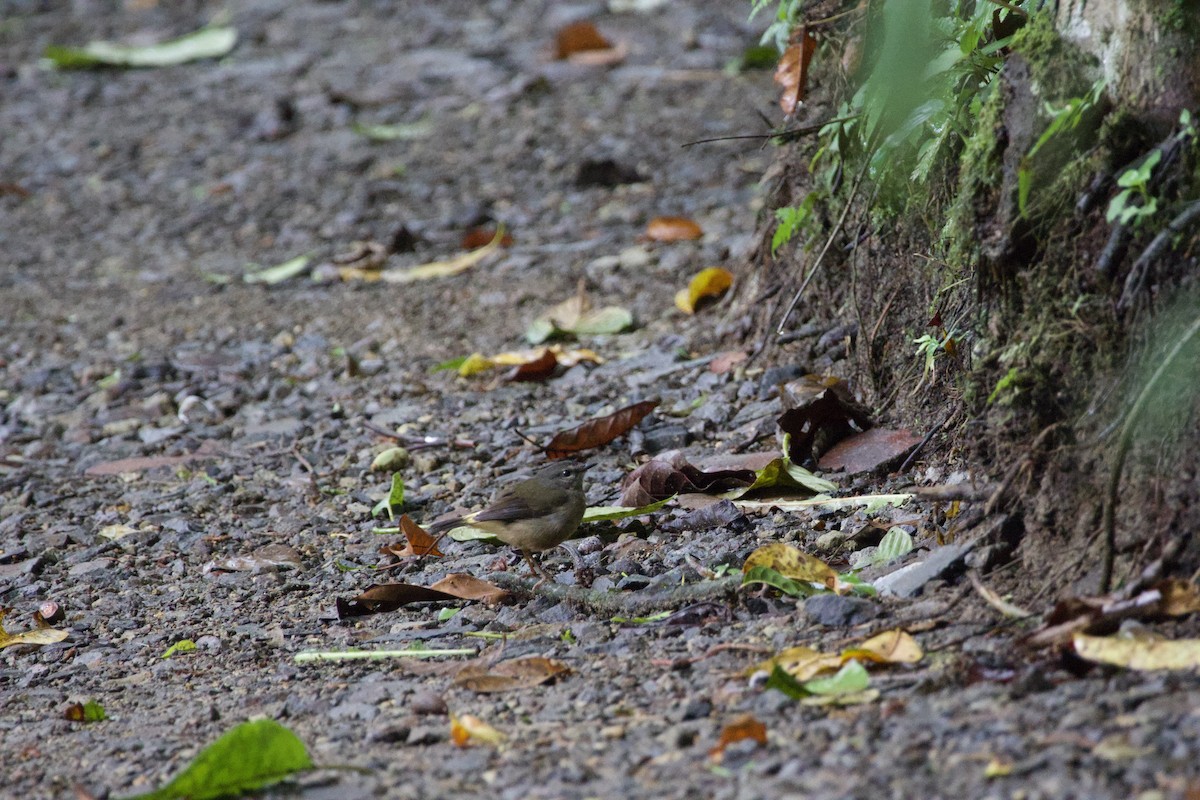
{"points": [[417, 541], [821, 411], [792, 563], [579, 37], [599, 431], [539, 369], [742, 728], [516, 673], [726, 361], [40, 636], [672, 229], [1140, 654], [707, 285], [889, 647], [792, 71], [670, 473], [478, 237], [207, 449], [385, 597], [468, 587], [1100, 615], [466, 729], [872, 451]]}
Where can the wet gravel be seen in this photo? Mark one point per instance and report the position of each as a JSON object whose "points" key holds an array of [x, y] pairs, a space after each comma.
{"points": [[118, 343]]}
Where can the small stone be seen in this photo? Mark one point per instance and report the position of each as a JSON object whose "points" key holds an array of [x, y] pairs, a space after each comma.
{"points": [[664, 437], [88, 567], [839, 611], [392, 459], [428, 702]]}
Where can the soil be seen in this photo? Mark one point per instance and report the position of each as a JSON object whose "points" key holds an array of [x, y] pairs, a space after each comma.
{"points": [[141, 196]]}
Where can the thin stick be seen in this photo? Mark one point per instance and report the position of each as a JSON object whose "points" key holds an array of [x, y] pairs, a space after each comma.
{"points": [[828, 244], [1126, 441]]}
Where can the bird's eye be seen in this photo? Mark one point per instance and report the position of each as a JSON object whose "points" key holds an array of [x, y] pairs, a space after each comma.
{"points": [[566, 473]]}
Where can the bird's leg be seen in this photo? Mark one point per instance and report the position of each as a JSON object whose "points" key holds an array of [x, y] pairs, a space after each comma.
{"points": [[533, 566]]}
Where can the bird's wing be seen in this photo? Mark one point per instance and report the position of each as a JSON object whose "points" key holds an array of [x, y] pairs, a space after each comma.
{"points": [[507, 507]]}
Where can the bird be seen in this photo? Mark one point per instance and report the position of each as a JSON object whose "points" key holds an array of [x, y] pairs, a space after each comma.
{"points": [[532, 515]]}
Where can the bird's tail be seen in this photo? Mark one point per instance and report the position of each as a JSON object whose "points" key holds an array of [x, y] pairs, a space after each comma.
{"points": [[440, 526]]}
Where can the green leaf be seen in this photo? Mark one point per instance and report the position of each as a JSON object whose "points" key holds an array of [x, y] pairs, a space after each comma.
{"points": [[857, 584], [781, 681], [204, 43], [453, 364], [602, 513], [421, 129], [394, 501], [777, 580], [896, 542], [279, 273], [610, 319], [182, 646], [781, 473], [247, 758], [540, 330], [657, 617], [851, 678], [447, 613]]}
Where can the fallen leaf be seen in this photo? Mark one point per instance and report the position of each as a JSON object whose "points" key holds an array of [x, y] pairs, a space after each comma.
{"points": [[743, 728], [602, 513], [182, 646], [394, 500], [265, 559], [672, 229], [801, 663], [201, 44], [726, 361], [271, 276], [367, 256], [143, 463], [889, 647], [417, 541], [669, 474], [707, 285], [515, 673], [821, 411], [246, 758], [792, 71], [781, 473], [1139, 654], [91, 711], [405, 131], [1100, 615], [539, 369], [391, 596], [465, 729], [1179, 597], [575, 316], [477, 363], [478, 237], [873, 451], [871, 501], [431, 269], [600, 431], [39, 636], [578, 37], [791, 563]]}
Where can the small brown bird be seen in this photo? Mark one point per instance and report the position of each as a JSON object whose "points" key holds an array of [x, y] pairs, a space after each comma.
{"points": [[532, 515]]}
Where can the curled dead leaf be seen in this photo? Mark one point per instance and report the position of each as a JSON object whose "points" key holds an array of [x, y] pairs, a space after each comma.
{"points": [[707, 285], [792, 71], [417, 541], [515, 673], [599, 431], [467, 729]]}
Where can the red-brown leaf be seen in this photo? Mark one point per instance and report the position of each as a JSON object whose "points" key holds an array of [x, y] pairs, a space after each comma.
{"points": [[792, 71], [417, 541], [579, 37], [539, 369], [600, 431], [391, 596]]}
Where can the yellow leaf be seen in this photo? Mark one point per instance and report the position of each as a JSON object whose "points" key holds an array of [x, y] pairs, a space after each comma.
{"points": [[708, 284], [998, 768], [1139, 653], [444, 269], [41, 636], [889, 647], [475, 364], [802, 663], [791, 563], [467, 728]]}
